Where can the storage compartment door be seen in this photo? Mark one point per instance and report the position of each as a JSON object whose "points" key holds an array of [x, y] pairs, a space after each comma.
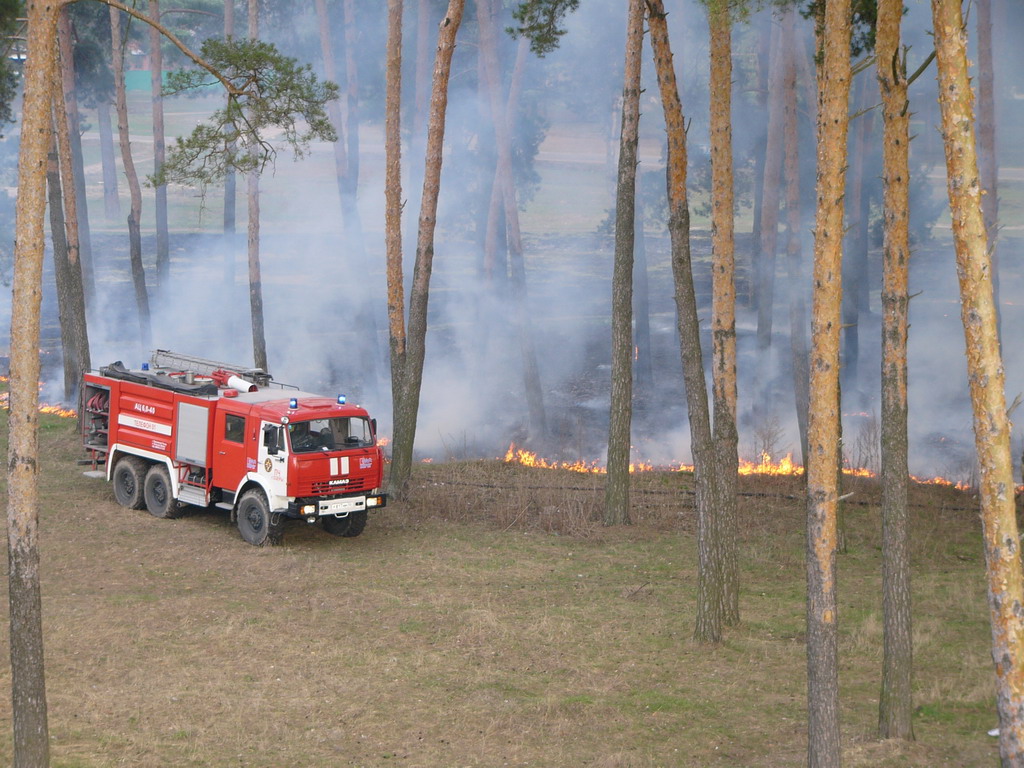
{"points": [[193, 434]]}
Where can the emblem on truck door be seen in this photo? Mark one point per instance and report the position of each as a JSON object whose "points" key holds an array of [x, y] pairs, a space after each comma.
{"points": [[267, 465]]}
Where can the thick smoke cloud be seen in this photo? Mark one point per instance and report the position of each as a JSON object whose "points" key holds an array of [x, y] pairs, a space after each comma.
{"points": [[326, 321]]}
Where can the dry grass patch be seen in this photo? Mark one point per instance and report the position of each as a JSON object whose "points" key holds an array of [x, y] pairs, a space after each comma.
{"points": [[491, 620]]}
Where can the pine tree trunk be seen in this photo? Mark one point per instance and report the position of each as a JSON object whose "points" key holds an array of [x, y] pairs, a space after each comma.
{"points": [[823, 417], [135, 212], [393, 201], [710, 583], [28, 683], [895, 707], [74, 330], [985, 375], [62, 274], [723, 309], [794, 230], [616, 503], [156, 65], [988, 159], [74, 140], [259, 337], [407, 409], [230, 179]]}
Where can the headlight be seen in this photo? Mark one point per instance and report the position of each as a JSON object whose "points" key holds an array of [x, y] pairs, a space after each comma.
{"points": [[309, 509]]}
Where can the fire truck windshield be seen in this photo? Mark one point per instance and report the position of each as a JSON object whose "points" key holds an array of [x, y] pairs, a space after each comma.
{"points": [[329, 434]]}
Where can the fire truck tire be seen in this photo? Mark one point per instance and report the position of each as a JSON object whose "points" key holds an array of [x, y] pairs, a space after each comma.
{"points": [[255, 523], [128, 479], [157, 492], [349, 526]]}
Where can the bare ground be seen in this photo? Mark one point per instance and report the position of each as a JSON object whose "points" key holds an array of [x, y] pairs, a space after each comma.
{"points": [[489, 621]]}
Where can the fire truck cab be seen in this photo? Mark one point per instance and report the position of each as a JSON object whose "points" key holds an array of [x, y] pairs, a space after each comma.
{"points": [[183, 430]]}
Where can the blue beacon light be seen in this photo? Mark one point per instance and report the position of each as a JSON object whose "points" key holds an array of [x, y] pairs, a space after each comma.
{"points": [[293, 403], [341, 399]]}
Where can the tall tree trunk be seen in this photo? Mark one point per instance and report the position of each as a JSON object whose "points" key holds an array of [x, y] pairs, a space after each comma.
{"points": [[70, 289], [988, 158], [407, 409], [833, 42], [28, 684], [62, 275], [259, 337], [616, 502], [895, 706], [709, 572], [156, 66], [393, 200], [111, 197], [74, 140], [794, 250], [723, 309], [985, 374], [230, 179], [505, 183], [135, 213]]}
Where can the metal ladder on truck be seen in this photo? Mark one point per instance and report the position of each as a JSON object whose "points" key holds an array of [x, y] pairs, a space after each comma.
{"points": [[164, 359]]}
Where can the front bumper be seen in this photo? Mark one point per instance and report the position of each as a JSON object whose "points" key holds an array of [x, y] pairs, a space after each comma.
{"points": [[335, 506]]}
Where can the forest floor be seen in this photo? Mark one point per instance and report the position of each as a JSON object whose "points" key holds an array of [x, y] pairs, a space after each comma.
{"points": [[490, 620]]}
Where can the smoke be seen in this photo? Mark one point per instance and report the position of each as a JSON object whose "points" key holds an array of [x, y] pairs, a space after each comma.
{"points": [[324, 293]]}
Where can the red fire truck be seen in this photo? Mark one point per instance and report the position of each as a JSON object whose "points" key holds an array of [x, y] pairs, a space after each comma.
{"points": [[184, 430]]}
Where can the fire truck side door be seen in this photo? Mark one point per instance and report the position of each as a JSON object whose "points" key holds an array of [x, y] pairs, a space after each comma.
{"points": [[233, 441]]}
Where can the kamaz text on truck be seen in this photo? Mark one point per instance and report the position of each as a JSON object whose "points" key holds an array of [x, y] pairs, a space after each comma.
{"points": [[183, 430]]}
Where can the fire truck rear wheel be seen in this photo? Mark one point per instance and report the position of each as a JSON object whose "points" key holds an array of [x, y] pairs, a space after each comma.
{"points": [[255, 523], [128, 478], [349, 526], [157, 491]]}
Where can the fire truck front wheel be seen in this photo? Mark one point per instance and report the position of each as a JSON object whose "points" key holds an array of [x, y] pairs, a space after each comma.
{"points": [[255, 522], [157, 491], [128, 478]]}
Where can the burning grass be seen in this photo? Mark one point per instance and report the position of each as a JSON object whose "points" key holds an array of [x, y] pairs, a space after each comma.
{"points": [[489, 621]]}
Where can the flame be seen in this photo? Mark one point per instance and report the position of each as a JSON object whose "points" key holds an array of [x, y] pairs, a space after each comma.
{"points": [[765, 466]]}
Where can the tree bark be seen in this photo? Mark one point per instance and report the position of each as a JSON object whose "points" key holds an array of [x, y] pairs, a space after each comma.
{"points": [[70, 288], [74, 141], [61, 273], [135, 212], [723, 304], [895, 707], [823, 418], [710, 583], [616, 502], [230, 178], [393, 201], [156, 67], [259, 337], [407, 408], [28, 683], [794, 250], [988, 158], [985, 375]]}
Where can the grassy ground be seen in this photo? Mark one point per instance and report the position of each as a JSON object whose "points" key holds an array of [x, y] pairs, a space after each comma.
{"points": [[490, 621]]}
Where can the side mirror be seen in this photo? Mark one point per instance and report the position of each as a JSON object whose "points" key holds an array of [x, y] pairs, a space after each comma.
{"points": [[373, 426], [270, 435]]}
